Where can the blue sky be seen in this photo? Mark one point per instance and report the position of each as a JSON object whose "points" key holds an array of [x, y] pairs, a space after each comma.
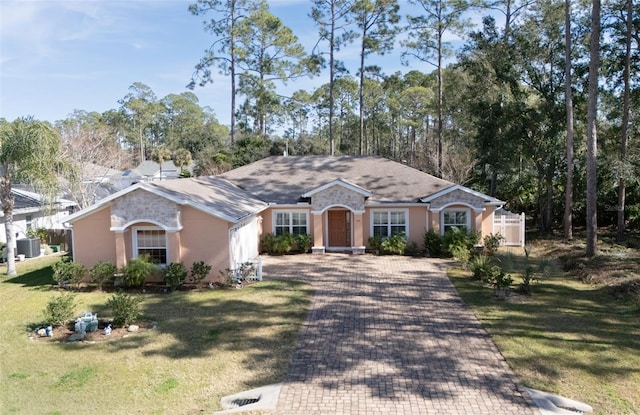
{"points": [[60, 55]]}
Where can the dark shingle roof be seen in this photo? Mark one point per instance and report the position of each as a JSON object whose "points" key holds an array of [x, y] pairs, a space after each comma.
{"points": [[283, 180], [211, 194], [24, 201]]}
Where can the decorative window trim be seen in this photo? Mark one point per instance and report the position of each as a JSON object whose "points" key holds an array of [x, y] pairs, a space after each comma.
{"points": [[389, 224], [290, 225], [467, 223], [134, 237]]}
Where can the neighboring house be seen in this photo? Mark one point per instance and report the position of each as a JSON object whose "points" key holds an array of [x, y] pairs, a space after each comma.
{"points": [[339, 201], [31, 212], [148, 171]]}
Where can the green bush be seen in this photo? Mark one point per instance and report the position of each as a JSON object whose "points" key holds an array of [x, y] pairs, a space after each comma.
{"points": [[303, 242], [412, 249], [138, 270], [102, 272], [458, 240], [480, 266], [433, 243], [375, 243], [492, 243], [125, 307], [199, 271], [174, 275], [531, 271], [68, 272], [277, 244], [499, 280], [60, 309], [394, 244]]}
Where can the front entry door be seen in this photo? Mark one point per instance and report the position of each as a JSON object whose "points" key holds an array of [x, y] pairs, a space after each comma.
{"points": [[339, 228]]}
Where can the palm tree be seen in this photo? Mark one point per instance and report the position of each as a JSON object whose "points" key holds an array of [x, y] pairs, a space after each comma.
{"points": [[30, 153]]}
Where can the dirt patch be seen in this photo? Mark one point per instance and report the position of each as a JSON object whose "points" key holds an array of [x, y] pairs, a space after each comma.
{"points": [[66, 333]]}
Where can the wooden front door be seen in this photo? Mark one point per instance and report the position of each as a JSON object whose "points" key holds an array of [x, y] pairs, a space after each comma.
{"points": [[339, 222]]}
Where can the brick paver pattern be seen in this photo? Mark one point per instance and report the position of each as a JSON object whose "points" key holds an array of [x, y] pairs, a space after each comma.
{"points": [[390, 335]]}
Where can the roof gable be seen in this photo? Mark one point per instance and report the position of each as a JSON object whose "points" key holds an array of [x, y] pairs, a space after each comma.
{"points": [[342, 183], [460, 194], [211, 195]]}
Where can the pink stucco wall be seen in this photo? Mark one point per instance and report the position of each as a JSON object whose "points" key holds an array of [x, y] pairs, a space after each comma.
{"points": [[92, 240], [204, 238], [417, 222]]}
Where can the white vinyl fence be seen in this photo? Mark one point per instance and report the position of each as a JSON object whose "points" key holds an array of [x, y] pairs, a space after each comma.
{"points": [[511, 227]]}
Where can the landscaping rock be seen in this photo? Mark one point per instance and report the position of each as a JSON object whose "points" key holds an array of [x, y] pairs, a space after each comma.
{"points": [[42, 332], [76, 337], [133, 328]]}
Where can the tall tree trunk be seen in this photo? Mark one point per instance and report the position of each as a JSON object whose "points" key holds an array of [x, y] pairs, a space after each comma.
{"points": [[232, 69], [440, 111], [7, 209], [592, 140], [625, 125], [361, 95], [568, 197], [332, 47]]}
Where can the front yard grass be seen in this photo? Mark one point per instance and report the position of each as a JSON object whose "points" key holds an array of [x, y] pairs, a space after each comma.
{"points": [[207, 344], [572, 338]]}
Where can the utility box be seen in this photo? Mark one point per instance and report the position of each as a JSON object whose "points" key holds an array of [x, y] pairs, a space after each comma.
{"points": [[30, 248]]}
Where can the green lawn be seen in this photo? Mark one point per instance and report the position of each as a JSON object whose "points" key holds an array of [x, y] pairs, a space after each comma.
{"points": [[570, 338], [207, 344]]}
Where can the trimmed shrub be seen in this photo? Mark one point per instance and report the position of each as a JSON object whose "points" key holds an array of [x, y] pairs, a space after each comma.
{"points": [[394, 244], [137, 271], [102, 272], [375, 243], [199, 271], [277, 244], [433, 243], [125, 307], [303, 242], [412, 249], [68, 272], [458, 240], [60, 309], [174, 275]]}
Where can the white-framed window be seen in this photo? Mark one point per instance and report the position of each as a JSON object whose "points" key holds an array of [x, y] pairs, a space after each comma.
{"points": [[295, 222], [151, 241], [385, 223], [456, 218]]}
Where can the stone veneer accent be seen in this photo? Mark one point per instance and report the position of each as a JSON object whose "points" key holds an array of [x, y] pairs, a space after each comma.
{"points": [[337, 195], [144, 206], [457, 197]]}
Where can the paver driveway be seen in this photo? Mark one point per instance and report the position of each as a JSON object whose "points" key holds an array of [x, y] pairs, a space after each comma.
{"points": [[390, 335]]}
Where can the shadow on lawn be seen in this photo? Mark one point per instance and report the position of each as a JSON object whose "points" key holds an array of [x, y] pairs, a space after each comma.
{"points": [[263, 331], [558, 318], [41, 278]]}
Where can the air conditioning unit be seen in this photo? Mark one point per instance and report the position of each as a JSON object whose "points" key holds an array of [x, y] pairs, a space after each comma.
{"points": [[30, 248]]}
